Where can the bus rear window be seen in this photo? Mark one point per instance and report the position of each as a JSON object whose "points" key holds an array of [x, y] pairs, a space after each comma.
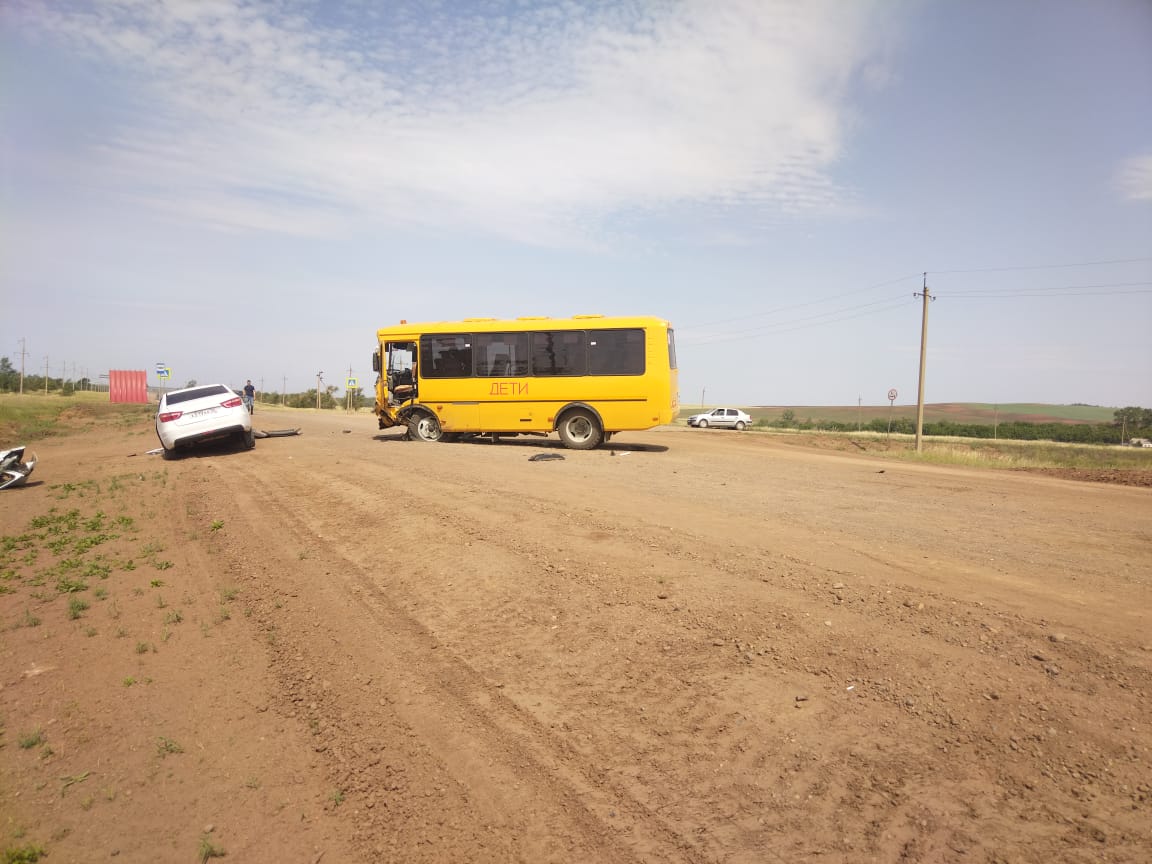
{"points": [[616, 352]]}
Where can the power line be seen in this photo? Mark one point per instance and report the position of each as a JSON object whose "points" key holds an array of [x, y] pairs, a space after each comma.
{"points": [[786, 326], [1057, 291], [1042, 266], [884, 284]]}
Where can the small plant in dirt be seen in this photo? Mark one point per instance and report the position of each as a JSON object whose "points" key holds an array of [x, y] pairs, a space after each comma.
{"points": [[164, 746], [252, 783], [157, 583], [338, 797], [163, 565], [129, 681], [217, 524], [161, 603], [142, 648], [173, 617], [76, 606], [91, 631], [28, 740], [29, 619], [69, 585], [229, 594], [23, 854], [209, 850], [100, 593]]}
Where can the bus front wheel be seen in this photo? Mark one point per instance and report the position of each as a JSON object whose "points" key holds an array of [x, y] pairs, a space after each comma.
{"points": [[580, 430], [424, 427]]}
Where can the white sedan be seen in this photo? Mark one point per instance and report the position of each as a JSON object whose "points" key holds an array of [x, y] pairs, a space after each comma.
{"points": [[196, 415], [721, 418]]}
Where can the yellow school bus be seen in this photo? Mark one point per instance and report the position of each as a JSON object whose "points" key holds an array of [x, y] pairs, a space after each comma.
{"points": [[585, 377]]}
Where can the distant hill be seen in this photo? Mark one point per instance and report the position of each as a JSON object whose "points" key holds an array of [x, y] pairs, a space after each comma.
{"points": [[957, 412]]}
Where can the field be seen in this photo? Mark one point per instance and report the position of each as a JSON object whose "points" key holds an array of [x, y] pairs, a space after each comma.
{"points": [[693, 646], [956, 412]]}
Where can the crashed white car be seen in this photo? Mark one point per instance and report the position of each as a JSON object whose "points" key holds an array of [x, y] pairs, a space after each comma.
{"points": [[721, 418], [197, 415]]}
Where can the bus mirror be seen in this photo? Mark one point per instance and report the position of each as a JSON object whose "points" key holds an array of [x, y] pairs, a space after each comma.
{"points": [[375, 361]]}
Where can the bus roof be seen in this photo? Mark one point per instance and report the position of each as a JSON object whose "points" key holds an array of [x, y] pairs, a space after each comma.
{"points": [[523, 324]]}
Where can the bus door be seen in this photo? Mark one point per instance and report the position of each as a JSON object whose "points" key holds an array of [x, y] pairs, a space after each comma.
{"points": [[400, 366]]}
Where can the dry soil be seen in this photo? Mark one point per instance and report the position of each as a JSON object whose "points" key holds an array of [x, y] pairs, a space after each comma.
{"points": [[689, 646]]}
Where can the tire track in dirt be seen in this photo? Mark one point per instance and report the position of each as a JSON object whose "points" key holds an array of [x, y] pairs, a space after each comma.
{"points": [[495, 766], [655, 701], [937, 714]]}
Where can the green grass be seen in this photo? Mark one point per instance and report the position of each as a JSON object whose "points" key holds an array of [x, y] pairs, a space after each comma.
{"points": [[33, 416], [23, 854], [208, 850], [976, 452]]}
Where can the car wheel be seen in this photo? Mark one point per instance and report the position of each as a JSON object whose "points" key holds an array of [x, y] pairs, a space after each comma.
{"points": [[168, 454], [424, 427], [247, 440], [703, 424], [580, 430], [739, 425]]}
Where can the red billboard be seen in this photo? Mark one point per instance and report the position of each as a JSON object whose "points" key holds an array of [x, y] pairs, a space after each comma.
{"points": [[128, 385]]}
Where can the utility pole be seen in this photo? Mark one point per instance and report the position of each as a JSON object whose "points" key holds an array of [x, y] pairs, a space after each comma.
{"points": [[319, 378], [23, 354], [859, 408], [923, 355], [45, 374], [283, 387]]}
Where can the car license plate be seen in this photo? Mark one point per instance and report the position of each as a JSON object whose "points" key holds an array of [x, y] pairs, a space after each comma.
{"points": [[204, 412]]}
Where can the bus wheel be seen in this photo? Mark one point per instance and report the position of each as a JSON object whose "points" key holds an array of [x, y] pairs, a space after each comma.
{"points": [[579, 430], [424, 427]]}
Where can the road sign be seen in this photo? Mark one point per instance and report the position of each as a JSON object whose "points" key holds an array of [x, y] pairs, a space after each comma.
{"points": [[351, 384], [892, 395]]}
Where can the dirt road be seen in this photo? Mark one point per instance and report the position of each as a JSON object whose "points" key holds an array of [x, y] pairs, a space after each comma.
{"points": [[696, 646]]}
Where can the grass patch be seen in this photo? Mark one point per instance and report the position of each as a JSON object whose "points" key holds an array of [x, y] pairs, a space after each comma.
{"points": [[23, 854], [76, 607], [208, 850], [28, 740], [166, 746]]}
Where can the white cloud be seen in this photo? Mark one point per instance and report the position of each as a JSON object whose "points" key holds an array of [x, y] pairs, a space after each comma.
{"points": [[1134, 179], [535, 126]]}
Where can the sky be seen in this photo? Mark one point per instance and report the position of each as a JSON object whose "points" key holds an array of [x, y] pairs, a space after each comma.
{"points": [[250, 189]]}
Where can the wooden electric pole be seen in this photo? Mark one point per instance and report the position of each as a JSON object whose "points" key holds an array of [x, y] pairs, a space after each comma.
{"points": [[923, 355]]}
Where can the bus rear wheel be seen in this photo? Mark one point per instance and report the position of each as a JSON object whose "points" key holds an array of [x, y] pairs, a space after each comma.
{"points": [[580, 430], [424, 427]]}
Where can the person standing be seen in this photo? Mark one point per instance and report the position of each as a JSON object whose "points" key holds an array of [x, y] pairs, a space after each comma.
{"points": [[250, 396]]}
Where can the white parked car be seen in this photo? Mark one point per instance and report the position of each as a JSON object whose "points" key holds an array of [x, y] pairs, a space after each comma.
{"points": [[196, 415], [721, 418]]}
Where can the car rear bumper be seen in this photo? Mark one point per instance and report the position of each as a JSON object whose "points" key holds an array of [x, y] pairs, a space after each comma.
{"points": [[206, 436]]}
